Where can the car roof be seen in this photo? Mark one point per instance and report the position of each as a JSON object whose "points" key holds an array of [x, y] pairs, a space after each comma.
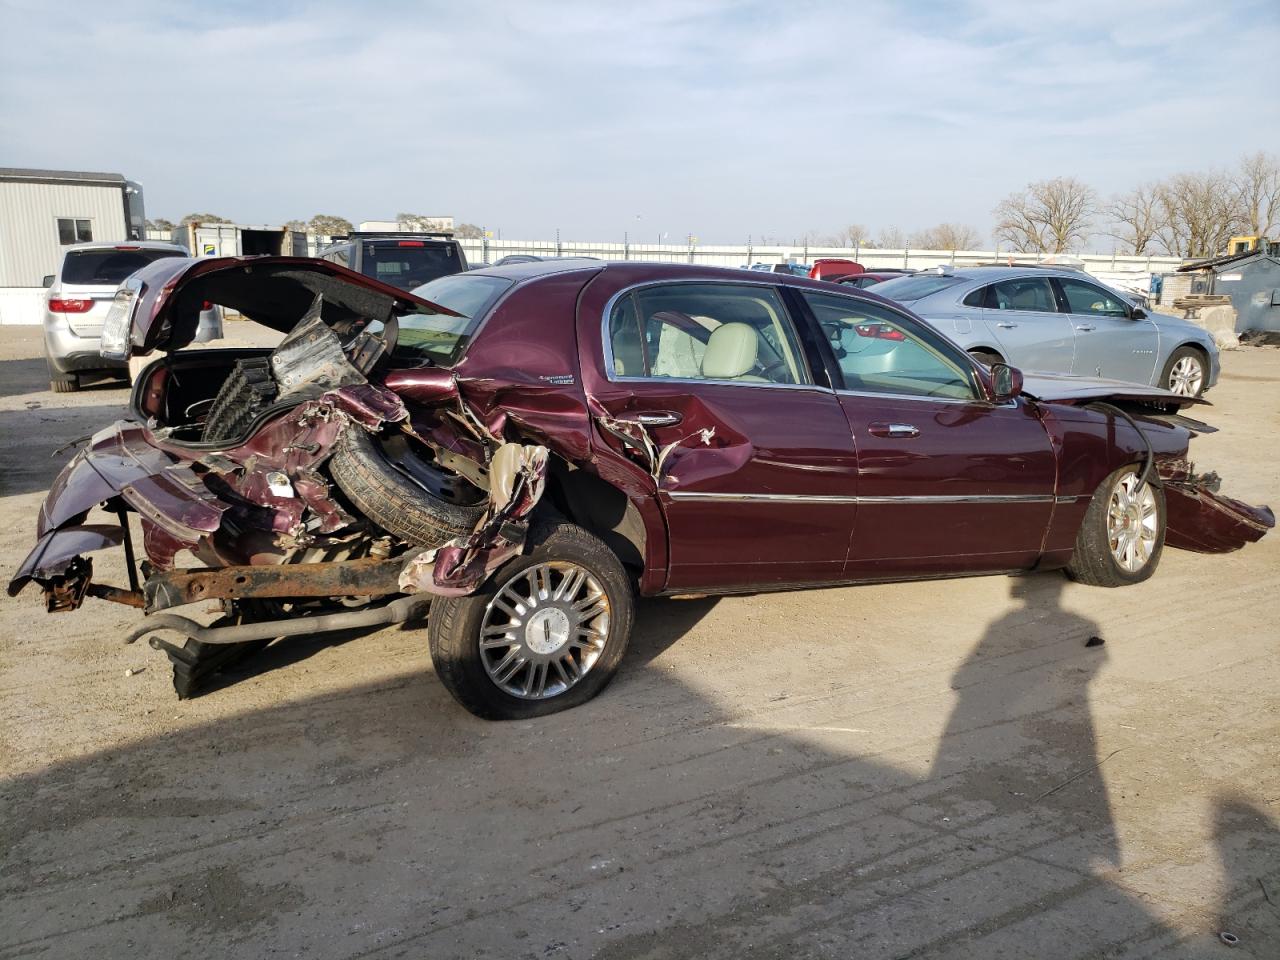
{"points": [[991, 272]]}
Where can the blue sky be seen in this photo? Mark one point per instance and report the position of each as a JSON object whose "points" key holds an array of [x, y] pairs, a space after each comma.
{"points": [[721, 119]]}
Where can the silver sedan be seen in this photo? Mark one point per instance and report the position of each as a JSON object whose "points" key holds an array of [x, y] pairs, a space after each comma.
{"points": [[1059, 321]]}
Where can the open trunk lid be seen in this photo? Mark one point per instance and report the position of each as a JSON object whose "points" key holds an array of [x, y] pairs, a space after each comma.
{"points": [[158, 308]]}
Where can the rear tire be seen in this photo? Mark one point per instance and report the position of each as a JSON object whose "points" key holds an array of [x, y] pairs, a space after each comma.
{"points": [[572, 605], [393, 501], [1122, 536]]}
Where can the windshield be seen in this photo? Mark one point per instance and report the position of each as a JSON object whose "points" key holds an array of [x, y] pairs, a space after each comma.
{"points": [[409, 263], [441, 339], [111, 266], [916, 287]]}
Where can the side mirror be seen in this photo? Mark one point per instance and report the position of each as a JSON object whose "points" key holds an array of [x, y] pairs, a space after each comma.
{"points": [[1006, 382], [47, 282], [1138, 314]]}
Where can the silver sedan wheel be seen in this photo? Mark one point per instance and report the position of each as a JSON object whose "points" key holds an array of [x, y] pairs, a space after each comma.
{"points": [[1186, 376], [544, 630], [1132, 523]]}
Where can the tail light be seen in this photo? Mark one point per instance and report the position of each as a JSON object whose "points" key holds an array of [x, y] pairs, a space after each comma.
{"points": [[128, 248], [206, 305], [74, 305], [410, 243], [879, 331]]}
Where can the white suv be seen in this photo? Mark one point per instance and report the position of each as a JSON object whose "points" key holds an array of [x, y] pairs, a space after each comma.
{"points": [[80, 295]]}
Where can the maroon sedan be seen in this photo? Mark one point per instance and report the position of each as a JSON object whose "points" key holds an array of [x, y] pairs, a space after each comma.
{"points": [[528, 448]]}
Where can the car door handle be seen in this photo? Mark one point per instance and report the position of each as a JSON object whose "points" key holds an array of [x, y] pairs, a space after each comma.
{"points": [[1006, 326], [902, 431], [659, 418], [1086, 327]]}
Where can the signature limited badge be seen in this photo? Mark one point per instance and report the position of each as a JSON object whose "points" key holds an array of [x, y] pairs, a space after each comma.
{"points": [[563, 379]]}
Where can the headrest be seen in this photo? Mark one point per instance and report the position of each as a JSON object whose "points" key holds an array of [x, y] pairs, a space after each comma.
{"points": [[731, 351]]}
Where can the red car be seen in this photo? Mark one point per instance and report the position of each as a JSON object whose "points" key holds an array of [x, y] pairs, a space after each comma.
{"points": [[834, 268], [528, 448]]}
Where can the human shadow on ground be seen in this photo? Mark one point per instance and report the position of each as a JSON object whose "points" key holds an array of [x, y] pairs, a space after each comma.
{"points": [[381, 820]]}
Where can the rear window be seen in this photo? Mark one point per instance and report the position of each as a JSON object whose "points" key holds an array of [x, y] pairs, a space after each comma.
{"points": [[905, 289], [441, 339], [109, 266], [409, 263]]}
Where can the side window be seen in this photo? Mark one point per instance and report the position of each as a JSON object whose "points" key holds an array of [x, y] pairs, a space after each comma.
{"points": [[1086, 298], [705, 331], [1027, 293], [879, 353], [977, 298]]}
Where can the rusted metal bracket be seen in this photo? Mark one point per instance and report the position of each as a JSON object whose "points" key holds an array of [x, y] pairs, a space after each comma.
{"points": [[347, 578]]}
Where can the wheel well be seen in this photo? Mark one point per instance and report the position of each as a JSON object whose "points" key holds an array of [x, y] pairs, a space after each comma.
{"points": [[991, 351], [1197, 347], [596, 505]]}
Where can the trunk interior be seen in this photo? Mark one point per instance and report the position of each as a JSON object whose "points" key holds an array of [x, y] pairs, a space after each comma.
{"points": [[179, 393]]}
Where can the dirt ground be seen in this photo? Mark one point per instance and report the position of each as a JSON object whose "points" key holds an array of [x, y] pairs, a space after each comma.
{"points": [[916, 770]]}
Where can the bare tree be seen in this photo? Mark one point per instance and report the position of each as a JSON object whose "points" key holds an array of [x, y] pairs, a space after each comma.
{"points": [[416, 221], [1258, 193], [1136, 217], [1049, 216], [160, 223], [889, 238], [328, 225], [202, 218], [1199, 212], [468, 231], [297, 226], [947, 236], [854, 235]]}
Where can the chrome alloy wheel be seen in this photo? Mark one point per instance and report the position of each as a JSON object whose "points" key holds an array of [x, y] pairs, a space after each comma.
{"points": [[1132, 523], [1186, 376], [544, 630]]}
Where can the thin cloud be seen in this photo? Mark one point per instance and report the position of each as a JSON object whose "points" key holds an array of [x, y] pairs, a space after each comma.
{"points": [[720, 119]]}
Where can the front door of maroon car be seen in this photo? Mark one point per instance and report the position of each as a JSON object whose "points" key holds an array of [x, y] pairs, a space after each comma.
{"points": [[773, 477]]}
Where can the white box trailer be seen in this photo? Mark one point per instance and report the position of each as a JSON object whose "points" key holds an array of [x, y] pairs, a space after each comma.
{"points": [[236, 240]]}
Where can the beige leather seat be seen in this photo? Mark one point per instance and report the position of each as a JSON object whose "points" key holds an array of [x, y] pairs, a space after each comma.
{"points": [[731, 352]]}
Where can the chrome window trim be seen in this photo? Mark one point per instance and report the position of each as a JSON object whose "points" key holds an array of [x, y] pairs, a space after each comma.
{"points": [[607, 343], [918, 397], [706, 496]]}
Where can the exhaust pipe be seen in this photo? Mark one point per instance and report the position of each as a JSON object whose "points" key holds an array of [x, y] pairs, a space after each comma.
{"points": [[397, 611]]}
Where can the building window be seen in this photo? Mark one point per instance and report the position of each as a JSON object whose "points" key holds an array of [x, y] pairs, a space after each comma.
{"points": [[74, 231]]}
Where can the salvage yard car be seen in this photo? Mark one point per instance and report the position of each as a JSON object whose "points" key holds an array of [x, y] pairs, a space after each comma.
{"points": [[527, 448], [1060, 320]]}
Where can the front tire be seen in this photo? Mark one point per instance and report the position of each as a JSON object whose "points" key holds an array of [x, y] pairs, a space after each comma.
{"points": [[1186, 373], [988, 358], [545, 633], [1122, 536]]}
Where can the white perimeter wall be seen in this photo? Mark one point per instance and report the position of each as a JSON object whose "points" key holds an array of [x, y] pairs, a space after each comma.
{"points": [[23, 305]]}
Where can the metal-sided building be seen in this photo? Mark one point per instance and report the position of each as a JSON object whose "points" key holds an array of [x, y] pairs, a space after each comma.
{"points": [[41, 211], [1251, 280]]}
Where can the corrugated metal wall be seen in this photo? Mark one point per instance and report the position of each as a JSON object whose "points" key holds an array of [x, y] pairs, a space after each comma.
{"points": [[29, 213]]}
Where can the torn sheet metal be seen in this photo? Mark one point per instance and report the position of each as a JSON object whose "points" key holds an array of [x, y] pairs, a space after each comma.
{"points": [[518, 476], [1205, 521], [56, 550], [700, 454]]}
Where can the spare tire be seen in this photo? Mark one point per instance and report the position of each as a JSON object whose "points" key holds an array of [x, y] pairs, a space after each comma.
{"points": [[393, 501]]}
